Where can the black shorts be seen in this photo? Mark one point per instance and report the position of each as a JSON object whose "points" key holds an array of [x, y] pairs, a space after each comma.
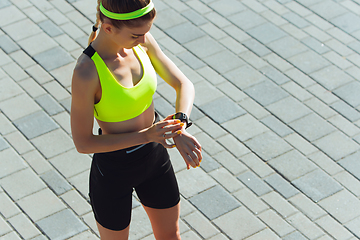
{"points": [[114, 175]]}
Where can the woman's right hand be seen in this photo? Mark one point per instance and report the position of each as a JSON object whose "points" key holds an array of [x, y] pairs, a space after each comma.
{"points": [[164, 129]]}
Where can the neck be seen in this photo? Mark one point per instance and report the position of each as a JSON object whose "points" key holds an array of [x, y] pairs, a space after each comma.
{"points": [[106, 47]]}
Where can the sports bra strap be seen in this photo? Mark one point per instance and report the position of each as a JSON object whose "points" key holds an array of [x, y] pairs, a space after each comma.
{"points": [[90, 51]]}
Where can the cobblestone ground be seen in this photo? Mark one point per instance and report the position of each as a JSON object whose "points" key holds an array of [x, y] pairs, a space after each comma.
{"points": [[276, 111]]}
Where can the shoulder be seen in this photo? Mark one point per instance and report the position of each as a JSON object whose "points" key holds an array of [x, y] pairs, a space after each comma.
{"points": [[85, 69], [151, 46], [85, 75]]}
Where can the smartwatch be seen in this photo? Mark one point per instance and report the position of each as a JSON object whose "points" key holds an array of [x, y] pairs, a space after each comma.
{"points": [[182, 117]]}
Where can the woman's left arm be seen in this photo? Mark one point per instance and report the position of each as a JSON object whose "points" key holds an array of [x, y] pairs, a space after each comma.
{"points": [[188, 146]]}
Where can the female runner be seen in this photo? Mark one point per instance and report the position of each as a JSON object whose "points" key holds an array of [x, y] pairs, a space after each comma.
{"points": [[114, 80]]}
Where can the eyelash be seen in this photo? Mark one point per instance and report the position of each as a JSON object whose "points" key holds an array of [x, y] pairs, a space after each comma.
{"points": [[135, 37]]}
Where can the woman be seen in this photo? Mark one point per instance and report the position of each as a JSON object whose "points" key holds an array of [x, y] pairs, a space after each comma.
{"points": [[114, 80]]}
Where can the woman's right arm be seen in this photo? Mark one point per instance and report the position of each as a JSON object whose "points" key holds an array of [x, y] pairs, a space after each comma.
{"points": [[84, 86]]}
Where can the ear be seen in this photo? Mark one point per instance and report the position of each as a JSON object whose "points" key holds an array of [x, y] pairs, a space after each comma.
{"points": [[107, 27]]}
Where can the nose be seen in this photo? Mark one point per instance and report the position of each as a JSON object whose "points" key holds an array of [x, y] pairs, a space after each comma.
{"points": [[141, 39]]}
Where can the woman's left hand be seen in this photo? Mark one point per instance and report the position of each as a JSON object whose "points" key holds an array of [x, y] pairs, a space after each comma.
{"points": [[189, 148]]}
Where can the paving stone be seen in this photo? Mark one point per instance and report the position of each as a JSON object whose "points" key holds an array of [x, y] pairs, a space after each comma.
{"points": [[8, 208], [277, 126], [331, 77], [347, 93], [10, 162], [320, 108], [254, 108], [281, 185], [24, 226], [287, 47], [37, 162], [32, 46], [194, 17], [309, 62], [343, 206], [349, 22], [191, 60], [256, 47], [226, 179], [227, 8], [279, 204], [353, 226], [212, 76], [61, 225], [315, 45], [305, 226], [288, 109], [168, 18], [251, 201], [266, 93], [47, 60], [209, 164], [8, 45], [3, 144], [56, 182], [254, 183], [50, 28], [15, 72], [268, 145], [5, 228], [49, 104], [5, 3], [349, 182], [328, 9], [274, 74], [19, 142], [245, 76], [53, 143], [228, 111], [208, 144], [257, 165], [21, 184], [24, 106], [292, 165], [236, 33], [325, 163], [307, 206], [344, 125], [10, 15], [35, 124], [276, 223], [300, 144], [184, 32], [229, 224], [334, 228], [267, 33], [244, 127], [224, 61], [199, 223], [71, 163], [337, 145], [76, 202], [230, 162], [312, 127], [317, 185], [214, 30], [5, 125], [205, 93], [296, 19], [351, 164], [299, 77], [246, 19], [187, 178], [39, 74]]}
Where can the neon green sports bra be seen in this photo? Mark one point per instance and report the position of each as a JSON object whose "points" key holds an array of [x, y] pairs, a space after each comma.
{"points": [[119, 103]]}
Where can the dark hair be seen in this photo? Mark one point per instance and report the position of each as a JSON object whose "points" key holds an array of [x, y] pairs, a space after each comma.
{"points": [[122, 6]]}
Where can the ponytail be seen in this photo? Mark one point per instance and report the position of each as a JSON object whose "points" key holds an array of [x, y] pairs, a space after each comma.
{"points": [[96, 25]]}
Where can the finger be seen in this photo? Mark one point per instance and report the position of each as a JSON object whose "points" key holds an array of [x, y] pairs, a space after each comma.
{"points": [[198, 154], [169, 117], [194, 158], [167, 122], [172, 135], [189, 161], [166, 145]]}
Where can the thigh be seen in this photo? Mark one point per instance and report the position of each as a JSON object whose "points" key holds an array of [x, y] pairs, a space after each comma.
{"points": [[160, 190], [165, 222], [107, 234]]}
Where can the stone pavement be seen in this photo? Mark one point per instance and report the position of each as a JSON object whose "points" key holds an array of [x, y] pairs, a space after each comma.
{"points": [[276, 111]]}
